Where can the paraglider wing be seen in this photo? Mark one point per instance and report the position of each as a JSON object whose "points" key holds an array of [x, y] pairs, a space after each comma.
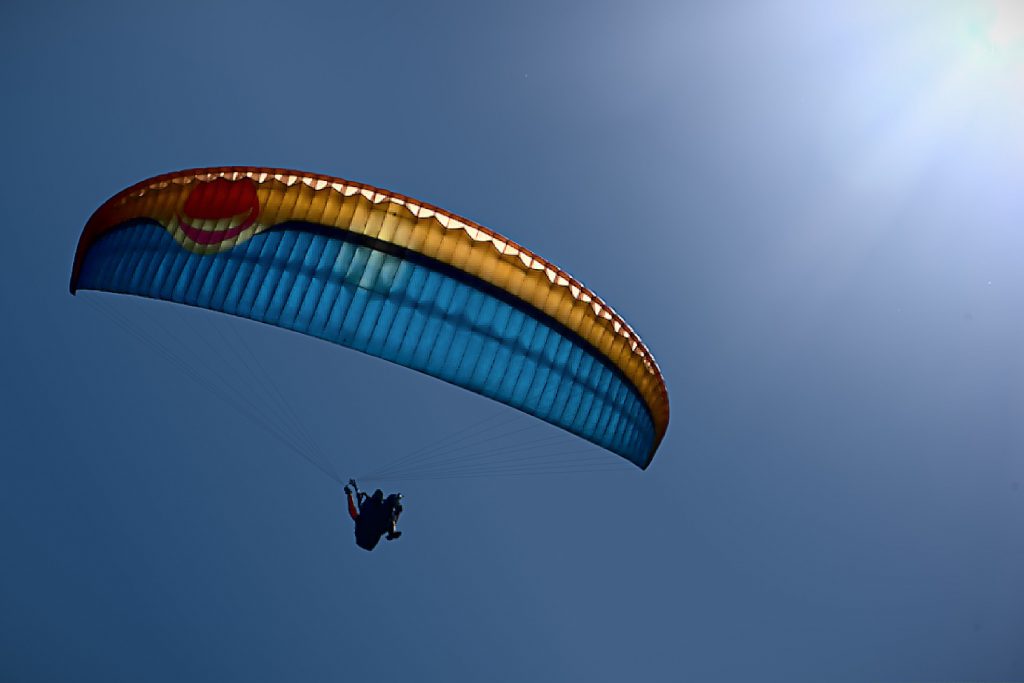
{"points": [[387, 275]]}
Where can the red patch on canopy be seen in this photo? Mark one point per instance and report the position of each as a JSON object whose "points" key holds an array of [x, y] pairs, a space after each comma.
{"points": [[217, 199]]}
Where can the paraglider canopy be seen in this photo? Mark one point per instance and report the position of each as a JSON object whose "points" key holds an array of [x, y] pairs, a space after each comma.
{"points": [[390, 276]]}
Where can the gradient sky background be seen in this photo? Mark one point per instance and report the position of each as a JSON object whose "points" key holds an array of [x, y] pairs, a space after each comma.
{"points": [[811, 212]]}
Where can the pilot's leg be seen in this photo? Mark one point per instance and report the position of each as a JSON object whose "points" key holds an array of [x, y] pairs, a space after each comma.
{"points": [[393, 533]]}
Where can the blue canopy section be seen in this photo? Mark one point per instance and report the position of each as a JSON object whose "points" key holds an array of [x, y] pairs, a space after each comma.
{"points": [[391, 303]]}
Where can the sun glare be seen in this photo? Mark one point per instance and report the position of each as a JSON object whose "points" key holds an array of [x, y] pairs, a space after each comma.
{"points": [[995, 34], [1006, 33], [988, 64]]}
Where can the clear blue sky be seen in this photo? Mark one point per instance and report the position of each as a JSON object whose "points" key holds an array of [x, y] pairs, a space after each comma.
{"points": [[811, 212]]}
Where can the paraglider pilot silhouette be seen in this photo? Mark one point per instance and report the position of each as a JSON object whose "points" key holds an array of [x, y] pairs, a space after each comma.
{"points": [[374, 515]]}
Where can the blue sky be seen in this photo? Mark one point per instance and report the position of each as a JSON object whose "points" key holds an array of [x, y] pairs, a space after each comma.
{"points": [[811, 213]]}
